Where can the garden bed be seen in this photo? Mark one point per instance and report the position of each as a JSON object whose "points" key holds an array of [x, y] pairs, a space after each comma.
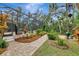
{"points": [[77, 41], [27, 39], [2, 50], [54, 43]]}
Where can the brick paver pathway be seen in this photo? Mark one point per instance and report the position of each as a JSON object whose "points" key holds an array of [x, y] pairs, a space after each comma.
{"points": [[24, 49]]}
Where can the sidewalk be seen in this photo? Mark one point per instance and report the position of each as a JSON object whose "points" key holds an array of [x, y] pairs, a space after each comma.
{"points": [[24, 49]]}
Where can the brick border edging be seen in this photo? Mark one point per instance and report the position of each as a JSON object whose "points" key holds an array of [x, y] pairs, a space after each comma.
{"points": [[44, 40]]}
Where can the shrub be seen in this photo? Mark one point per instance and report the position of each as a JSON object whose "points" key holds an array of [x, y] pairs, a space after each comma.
{"points": [[61, 42], [3, 43], [53, 35], [42, 33], [38, 31]]}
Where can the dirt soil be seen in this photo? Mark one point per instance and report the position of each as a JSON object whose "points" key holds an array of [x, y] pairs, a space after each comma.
{"points": [[27, 39], [2, 50]]}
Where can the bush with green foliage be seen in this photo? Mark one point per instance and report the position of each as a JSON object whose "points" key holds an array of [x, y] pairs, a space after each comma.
{"points": [[53, 35], [3, 43], [42, 33], [38, 31], [61, 42]]}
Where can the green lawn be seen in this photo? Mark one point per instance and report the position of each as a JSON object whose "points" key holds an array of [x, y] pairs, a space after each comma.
{"points": [[48, 50]]}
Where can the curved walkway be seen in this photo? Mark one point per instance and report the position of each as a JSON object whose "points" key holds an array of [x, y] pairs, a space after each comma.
{"points": [[24, 49]]}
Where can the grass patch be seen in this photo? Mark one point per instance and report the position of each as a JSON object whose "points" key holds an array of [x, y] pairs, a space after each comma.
{"points": [[48, 50]]}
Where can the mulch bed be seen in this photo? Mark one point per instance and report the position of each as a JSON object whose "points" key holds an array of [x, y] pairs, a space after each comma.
{"points": [[77, 41], [2, 50], [53, 43], [27, 39]]}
